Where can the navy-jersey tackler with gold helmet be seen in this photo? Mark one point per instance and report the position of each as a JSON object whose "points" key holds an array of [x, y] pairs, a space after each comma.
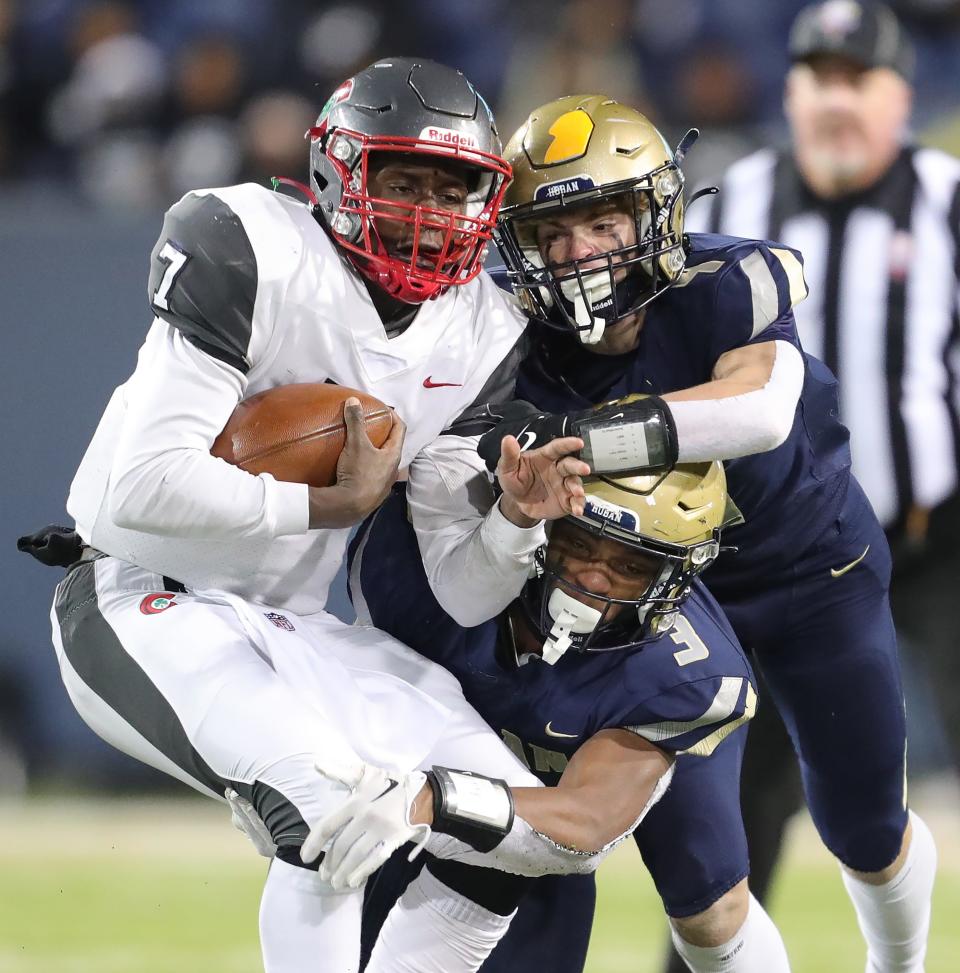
{"points": [[585, 151]]}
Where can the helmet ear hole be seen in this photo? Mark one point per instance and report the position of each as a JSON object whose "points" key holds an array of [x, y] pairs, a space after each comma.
{"points": [[321, 180]]}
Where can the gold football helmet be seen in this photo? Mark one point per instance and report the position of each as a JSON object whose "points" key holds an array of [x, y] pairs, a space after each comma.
{"points": [[672, 519], [581, 156]]}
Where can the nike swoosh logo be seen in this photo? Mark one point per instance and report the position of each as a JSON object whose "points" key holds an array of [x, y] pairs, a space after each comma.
{"points": [[529, 438], [837, 572], [393, 783], [429, 383], [554, 733]]}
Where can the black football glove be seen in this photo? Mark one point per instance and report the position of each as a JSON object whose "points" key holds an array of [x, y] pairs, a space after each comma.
{"points": [[529, 425], [620, 438]]}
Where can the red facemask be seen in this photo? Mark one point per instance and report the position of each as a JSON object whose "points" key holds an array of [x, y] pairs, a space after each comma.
{"points": [[457, 240]]}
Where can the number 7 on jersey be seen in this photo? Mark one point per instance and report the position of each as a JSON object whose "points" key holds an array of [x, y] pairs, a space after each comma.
{"points": [[175, 260]]}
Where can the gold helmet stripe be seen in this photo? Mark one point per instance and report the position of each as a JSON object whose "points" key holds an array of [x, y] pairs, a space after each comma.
{"points": [[571, 134]]}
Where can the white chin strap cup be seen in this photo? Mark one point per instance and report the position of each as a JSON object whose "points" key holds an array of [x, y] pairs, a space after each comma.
{"points": [[586, 320], [597, 290], [570, 617]]}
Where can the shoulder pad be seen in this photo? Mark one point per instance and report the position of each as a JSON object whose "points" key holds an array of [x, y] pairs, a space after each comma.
{"points": [[203, 277], [758, 279]]}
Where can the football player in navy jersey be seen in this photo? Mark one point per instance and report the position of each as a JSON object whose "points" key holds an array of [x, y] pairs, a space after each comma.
{"points": [[624, 301], [613, 637]]}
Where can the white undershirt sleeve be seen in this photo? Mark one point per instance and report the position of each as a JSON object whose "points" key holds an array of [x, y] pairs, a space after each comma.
{"points": [[163, 479], [476, 560], [740, 425]]}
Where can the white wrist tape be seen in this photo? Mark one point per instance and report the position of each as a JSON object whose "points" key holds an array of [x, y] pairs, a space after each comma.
{"points": [[472, 807], [741, 425]]}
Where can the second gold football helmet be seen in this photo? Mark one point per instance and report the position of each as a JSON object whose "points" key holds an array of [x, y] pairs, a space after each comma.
{"points": [[587, 154], [672, 519]]}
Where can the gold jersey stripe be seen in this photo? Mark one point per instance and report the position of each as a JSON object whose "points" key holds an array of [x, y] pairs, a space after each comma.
{"points": [[794, 271], [719, 710]]}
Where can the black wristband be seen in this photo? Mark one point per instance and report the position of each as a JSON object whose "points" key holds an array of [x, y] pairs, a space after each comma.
{"points": [[477, 810], [623, 438]]}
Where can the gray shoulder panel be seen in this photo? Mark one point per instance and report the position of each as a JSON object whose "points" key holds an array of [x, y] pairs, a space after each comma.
{"points": [[499, 389], [203, 278]]}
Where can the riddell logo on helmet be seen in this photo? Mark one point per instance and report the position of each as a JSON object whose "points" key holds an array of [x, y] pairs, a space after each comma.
{"points": [[448, 137]]}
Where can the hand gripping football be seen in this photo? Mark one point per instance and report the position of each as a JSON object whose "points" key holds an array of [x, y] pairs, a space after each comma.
{"points": [[296, 432]]}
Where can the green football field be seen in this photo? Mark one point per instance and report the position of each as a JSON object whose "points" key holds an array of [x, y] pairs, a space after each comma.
{"points": [[167, 885]]}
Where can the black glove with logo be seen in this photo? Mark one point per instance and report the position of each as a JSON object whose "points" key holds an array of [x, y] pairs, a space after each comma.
{"points": [[620, 438]]}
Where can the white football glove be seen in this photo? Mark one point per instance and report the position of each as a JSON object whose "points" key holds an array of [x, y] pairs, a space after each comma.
{"points": [[367, 828], [246, 819]]}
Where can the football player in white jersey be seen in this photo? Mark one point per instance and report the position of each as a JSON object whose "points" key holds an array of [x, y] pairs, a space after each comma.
{"points": [[191, 632]]}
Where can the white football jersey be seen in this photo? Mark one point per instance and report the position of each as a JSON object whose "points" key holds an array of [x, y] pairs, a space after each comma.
{"points": [[250, 293]]}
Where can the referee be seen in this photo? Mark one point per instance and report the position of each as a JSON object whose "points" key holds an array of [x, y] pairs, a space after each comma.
{"points": [[878, 221]]}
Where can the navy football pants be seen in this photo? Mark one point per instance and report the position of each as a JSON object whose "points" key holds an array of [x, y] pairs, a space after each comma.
{"points": [[825, 643]]}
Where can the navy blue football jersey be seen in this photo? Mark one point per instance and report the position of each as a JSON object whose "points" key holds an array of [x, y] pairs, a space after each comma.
{"points": [[684, 691], [733, 293]]}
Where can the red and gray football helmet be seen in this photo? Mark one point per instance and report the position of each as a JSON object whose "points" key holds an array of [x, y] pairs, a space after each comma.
{"points": [[417, 108]]}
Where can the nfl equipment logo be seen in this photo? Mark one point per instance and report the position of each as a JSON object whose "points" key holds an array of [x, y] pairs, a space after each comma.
{"points": [[281, 621]]}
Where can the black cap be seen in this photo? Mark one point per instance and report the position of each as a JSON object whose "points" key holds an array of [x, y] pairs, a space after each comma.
{"points": [[868, 33]]}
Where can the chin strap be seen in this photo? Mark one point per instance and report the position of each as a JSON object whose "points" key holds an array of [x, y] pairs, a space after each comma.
{"points": [[570, 617], [583, 295], [589, 329]]}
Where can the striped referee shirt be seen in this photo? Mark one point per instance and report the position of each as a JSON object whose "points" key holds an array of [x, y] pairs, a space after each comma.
{"points": [[883, 268]]}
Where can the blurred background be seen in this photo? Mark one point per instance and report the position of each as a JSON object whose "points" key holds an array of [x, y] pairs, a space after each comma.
{"points": [[110, 111]]}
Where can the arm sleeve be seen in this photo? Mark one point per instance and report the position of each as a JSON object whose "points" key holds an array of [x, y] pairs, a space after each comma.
{"points": [[163, 479], [741, 425], [475, 559]]}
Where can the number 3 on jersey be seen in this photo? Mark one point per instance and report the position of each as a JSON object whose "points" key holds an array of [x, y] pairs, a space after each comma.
{"points": [[174, 259], [683, 634]]}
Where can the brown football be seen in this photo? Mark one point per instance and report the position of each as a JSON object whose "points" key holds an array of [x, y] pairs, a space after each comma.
{"points": [[296, 432]]}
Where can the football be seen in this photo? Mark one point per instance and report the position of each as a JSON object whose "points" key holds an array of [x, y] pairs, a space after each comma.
{"points": [[296, 432]]}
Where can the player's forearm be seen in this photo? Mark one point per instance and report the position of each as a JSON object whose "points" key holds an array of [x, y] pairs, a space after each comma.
{"points": [[562, 816], [475, 558], [738, 414], [552, 833], [163, 479], [186, 493], [475, 571], [335, 507], [567, 817]]}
